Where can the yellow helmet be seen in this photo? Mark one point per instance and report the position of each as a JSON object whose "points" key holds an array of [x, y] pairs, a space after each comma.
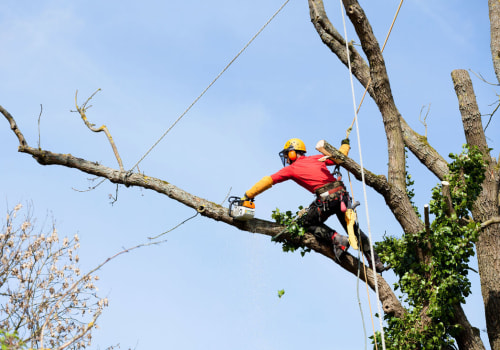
{"points": [[290, 150]]}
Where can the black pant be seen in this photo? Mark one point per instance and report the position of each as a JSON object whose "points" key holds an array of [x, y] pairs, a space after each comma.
{"points": [[319, 211]]}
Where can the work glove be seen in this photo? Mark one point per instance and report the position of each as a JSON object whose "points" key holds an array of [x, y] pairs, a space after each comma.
{"points": [[245, 197], [345, 147]]}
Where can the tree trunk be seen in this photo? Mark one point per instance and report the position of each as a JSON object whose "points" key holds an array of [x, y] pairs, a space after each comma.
{"points": [[494, 7], [485, 208]]}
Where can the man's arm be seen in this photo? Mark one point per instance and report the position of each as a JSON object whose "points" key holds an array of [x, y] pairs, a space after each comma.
{"points": [[265, 183]]}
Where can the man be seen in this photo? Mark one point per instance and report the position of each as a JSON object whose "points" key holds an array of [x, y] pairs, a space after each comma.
{"points": [[311, 172]]}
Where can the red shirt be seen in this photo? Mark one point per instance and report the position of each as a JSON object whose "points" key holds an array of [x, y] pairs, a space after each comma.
{"points": [[308, 172]]}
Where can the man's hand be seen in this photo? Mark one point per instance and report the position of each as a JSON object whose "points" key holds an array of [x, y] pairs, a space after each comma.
{"points": [[245, 198]]}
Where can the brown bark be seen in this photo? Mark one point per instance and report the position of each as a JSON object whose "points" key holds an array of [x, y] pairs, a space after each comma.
{"points": [[486, 207], [468, 338], [494, 11]]}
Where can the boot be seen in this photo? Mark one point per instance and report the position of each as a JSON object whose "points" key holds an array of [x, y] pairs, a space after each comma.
{"points": [[365, 243], [340, 244], [379, 266]]}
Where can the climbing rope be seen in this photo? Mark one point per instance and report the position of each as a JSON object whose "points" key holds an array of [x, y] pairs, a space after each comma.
{"points": [[209, 85], [355, 120], [370, 80]]}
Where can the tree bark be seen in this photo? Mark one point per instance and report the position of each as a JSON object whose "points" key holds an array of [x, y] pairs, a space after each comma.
{"points": [[494, 11], [486, 207], [468, 338]]}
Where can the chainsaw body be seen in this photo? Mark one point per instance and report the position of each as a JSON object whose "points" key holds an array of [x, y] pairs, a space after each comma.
{"points": [[241, 209]]}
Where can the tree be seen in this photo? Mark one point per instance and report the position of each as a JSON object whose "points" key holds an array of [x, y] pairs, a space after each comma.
{"points": [[371, 73], [45, 299]]}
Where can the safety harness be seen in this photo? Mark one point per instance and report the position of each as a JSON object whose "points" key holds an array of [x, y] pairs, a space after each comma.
{"points": [[332, 191], [336, 191]]}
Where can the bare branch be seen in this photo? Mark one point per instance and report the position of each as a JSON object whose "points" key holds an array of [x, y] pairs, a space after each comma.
{"points": [[39, 117], [81, 110], [14, 128], [424, 119]]}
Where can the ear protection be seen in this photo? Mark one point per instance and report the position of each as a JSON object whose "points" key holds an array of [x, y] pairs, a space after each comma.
{"points": [[292, 155]]}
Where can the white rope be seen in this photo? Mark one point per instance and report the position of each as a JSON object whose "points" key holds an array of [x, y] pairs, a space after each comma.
{"points": [[363, 179], [210, 85]]}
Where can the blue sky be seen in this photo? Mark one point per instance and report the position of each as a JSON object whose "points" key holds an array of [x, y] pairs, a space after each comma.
{"points": [[211, 286]]}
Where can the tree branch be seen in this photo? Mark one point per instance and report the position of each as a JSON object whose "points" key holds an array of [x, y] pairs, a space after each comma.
{"points": [[204, 207], [81, 110]]}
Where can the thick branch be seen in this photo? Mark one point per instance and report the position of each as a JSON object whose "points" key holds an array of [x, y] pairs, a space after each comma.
{"points": [[494, 11], [206, 208], [485, 207], [336, 43], [468, 337], [396, 199]]}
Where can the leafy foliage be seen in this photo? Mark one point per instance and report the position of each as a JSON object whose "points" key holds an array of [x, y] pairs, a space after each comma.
{"points": [[432, 266], [293, 224]]}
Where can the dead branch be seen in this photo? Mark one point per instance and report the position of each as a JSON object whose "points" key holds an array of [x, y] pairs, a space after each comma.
{"points": [[82, 111]]}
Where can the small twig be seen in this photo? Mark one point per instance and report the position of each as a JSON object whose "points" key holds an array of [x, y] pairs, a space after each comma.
{"points": [[227, 196], [492, 113], [39, 117], [115, 197], [90, 188], [173, 228], [484, 80], [81, 110], [424, 121]]}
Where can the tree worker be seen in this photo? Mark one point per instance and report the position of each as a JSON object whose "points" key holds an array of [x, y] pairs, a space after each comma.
{"points": [[311, 172]]}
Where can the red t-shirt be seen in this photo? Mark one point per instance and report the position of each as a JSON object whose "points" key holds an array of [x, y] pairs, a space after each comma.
{"points": [[308, 172]]}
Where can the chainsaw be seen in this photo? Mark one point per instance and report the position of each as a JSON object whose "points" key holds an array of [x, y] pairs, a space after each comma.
{"points": [[240, 209]]}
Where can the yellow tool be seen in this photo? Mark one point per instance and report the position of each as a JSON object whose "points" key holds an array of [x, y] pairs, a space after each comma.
{"points": [[350, 218]]}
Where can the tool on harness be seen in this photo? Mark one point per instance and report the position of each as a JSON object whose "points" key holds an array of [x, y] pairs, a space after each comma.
{"points": [[240, 209], [350, 218]]}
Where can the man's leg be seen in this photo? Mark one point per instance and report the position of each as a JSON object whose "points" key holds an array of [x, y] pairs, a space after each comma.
{"points": [[365, 242], [313, 221]]}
